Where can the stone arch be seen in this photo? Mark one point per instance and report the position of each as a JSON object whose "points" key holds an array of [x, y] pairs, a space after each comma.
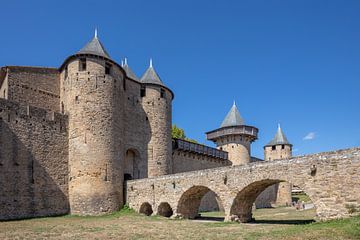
{"points": [[244, 200], [146, 209], [131, 164], [189, 202], [165, 210]]}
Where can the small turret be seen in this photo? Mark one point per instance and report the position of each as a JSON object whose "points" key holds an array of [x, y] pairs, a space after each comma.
{"points": [[157, 103], [278, 148], [234, 137]]}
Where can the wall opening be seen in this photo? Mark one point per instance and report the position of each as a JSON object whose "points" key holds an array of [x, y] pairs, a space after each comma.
{"points": [[281, 209], [146, 209], [165, 210], [190, 201], [131, 168]]}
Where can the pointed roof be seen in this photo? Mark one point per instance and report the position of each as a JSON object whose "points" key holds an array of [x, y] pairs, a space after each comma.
{"points": [[95, 47], [233, 118], [279, 138], [128, 70], [150, 76]]}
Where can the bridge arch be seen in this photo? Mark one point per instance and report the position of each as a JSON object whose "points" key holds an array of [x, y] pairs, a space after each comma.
{"points": [[189, 202], [164, 209], [146, 209], [242, 205]]}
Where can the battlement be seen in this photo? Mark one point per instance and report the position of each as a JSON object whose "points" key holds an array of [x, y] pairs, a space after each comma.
{"points": [[13, 111]]}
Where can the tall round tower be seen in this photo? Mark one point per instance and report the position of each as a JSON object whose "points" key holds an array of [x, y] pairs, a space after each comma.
{"points": [[92, 96], [157, 103], [234, 137], [279, 148]]}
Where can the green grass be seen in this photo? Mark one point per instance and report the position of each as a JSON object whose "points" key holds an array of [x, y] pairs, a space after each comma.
{"points": [[300, 197], [275, 223]]}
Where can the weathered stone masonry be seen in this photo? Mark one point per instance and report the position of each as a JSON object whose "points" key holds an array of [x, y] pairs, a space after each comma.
{"points": [[330, 179], [33, 162]]}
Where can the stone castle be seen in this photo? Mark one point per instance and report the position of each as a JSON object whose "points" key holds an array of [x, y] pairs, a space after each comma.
{"points": [[70, 137]]}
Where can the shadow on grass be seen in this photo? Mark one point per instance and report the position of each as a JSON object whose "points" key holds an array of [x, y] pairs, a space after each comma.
{"points": [[213, 219], [286, 222]]}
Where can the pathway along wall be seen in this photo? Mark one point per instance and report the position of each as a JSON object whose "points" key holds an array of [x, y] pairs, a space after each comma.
{"points": [[330, 179]]}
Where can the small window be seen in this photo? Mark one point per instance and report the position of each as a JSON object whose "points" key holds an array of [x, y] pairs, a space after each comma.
{"points": [[142, 92], [77, 99], [282, 146], [66, 72], [107, 68], [273, 147], [82, 64], [162, 93]]}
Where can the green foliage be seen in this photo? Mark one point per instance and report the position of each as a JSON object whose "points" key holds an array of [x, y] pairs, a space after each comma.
{"points": [[179, 133]]}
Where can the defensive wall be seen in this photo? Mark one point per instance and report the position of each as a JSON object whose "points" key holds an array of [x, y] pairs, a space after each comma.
{"points": [[33, 162]]}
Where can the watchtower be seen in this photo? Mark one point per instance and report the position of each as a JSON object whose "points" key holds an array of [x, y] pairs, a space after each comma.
{"points": [[157, 103], [234, 137], [92, 96], [279, 148]]}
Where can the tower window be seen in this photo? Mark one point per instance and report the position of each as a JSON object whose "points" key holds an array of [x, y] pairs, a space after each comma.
{"points": [[82, 64], [282, 146], [273, 147], [162, 93], [107, 68], [142, 92], [66, 72]]}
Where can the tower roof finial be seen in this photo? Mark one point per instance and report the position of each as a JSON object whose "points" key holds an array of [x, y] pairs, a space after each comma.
{"points": [[125, 61], [234, 103], [96, 34], [279, 126], [151, 63]]}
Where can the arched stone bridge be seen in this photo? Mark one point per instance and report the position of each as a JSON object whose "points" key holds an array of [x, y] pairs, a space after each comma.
{"points": [[331, 180]]}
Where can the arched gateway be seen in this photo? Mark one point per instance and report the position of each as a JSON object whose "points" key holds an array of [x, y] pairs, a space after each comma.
{"points": [[330, 179]]}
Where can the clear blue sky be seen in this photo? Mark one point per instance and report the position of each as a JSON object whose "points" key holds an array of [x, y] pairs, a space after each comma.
{"points": [[293, 62]]}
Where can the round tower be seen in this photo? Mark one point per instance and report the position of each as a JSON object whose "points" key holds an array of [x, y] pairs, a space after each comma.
{"points": [[279, 148], [92, 96], [234, 137], [157, 103]]}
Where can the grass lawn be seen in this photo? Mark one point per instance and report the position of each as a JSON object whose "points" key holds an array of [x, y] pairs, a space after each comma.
{"points": [[275, 223]]}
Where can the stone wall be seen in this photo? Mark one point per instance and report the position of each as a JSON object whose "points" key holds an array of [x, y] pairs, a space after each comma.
{"points": [[35, 86], [189, 161], [33, 162], [330, 179]]}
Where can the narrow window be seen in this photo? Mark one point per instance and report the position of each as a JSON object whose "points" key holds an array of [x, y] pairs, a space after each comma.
{"points": [[124, 84], [162, 93], [66, 72], [77, 99], [107, 68], [273, 147], [282, 146], [82, 64], [142, 92]]}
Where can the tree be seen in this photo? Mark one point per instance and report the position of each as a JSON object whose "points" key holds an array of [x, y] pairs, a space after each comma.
{"points": [[179, 133]]}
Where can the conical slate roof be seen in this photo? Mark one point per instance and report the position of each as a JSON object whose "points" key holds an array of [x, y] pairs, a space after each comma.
{"points": [[95, 47], [279, 138], [233, 118], [150, 76], [128, 71]]}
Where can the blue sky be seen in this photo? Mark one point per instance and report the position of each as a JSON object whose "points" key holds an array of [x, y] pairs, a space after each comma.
{"points": [[291, 62]]}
